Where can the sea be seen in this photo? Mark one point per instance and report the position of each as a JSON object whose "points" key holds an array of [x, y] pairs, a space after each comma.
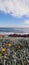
{"points": [[4, 30]]}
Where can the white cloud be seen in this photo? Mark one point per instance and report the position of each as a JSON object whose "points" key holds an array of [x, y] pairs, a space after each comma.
{"points": [[15, 7], [26, 23]]}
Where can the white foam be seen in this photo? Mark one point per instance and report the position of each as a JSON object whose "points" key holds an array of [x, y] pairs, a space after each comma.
{"points": [[5, 33]]}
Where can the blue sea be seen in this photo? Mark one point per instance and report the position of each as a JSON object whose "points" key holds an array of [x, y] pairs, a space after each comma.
{"points": [[13, 30]]}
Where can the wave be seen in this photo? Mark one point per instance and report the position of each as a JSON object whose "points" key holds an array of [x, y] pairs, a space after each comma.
{"points": [[5, 33]]}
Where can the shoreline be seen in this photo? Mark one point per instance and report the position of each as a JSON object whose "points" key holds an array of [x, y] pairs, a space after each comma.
{"points": [[6, 34]]}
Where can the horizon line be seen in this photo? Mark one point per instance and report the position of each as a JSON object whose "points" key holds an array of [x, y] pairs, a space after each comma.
{"points": [[14, 27]]}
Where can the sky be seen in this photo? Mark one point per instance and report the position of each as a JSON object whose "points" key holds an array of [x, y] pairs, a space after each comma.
{"points": [[14, 13]]}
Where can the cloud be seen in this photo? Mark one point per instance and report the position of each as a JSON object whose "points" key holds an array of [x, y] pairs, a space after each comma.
{"points": [[15, 7], [26, 23]]}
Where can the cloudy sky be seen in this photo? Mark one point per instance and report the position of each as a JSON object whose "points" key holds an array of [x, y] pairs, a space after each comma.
{"points": [[14, 13]]}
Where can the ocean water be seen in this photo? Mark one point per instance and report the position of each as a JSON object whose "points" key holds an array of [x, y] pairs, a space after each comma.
{"points": [[13, 30]]}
